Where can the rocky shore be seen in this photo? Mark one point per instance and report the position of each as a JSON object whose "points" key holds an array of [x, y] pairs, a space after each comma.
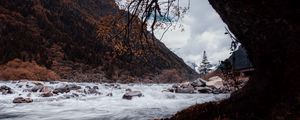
{"points": [[214, 85]]}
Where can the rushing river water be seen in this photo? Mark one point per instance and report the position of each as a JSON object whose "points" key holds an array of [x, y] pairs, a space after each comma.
{"points": [[153, 104]]}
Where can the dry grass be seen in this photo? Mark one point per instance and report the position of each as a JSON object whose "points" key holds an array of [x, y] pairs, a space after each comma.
{"points": [[17, 69]]}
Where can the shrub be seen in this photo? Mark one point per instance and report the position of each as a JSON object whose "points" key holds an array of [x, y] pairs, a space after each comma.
{"points": [[17, 69]]}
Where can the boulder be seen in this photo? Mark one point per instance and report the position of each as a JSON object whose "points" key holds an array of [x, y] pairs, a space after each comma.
{"points": [[88, 87], [215, 82], [6, 90], [199, 83], [37, 88], [28, 86], [96, 87], [73, 87], [117, 86], [215, 78], [20, 86], [185, 85], [219, 91], [47, 94], [38, 83], [61, 90], [169, 90], [131, 94], [92, 91], [22, 100], [185, 90], [175, 86], [204, 89], [45, 89], [128, 90], [113, 85]]}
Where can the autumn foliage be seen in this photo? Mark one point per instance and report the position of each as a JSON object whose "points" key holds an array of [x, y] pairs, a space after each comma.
{"points": [[17, 69], [81, 39]]}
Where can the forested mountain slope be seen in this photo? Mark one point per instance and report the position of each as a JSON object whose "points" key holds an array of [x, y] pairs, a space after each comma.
{"points": [[66, 36]]}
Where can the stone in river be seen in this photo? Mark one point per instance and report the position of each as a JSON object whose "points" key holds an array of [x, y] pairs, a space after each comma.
{"points": [[6, 90], [96, 87], [37, 88], [61, 90], [73, 87], [131, 94], [47, 94], [22, 100]]}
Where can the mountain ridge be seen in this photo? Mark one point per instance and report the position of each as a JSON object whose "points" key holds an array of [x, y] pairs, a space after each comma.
{"points": [[63, 36]]}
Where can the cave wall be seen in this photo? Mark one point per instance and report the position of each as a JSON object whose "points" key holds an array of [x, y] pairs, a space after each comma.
{"points": [[269, 30]]}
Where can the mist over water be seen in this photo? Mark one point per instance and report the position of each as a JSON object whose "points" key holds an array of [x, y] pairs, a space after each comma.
{"points": [[153, 104]]}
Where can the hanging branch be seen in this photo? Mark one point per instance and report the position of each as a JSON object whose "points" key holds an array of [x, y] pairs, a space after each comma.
{"points": [[234, 45], [234, 42], [157, 13]]}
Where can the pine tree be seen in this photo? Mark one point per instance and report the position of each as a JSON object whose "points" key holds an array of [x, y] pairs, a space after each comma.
{"points": [[204, 65]]}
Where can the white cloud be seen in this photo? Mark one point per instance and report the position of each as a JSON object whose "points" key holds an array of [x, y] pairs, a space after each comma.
{"points": [[204, 30]]}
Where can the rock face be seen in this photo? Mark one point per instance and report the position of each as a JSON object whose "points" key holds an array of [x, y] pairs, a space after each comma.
{"points": [[269, 31], [67, 37]]}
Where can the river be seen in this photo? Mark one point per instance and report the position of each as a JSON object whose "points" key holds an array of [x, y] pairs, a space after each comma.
{"points": [[153, 104]]}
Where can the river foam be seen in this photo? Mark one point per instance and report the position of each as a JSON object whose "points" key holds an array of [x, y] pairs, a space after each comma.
{"points": [[153, 104]]}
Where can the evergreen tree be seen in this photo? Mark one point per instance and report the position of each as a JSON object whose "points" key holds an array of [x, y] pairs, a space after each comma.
{"points": [[204, 65]]}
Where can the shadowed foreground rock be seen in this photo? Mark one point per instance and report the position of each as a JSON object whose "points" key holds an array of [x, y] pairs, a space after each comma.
{"points": [[269, 31]]}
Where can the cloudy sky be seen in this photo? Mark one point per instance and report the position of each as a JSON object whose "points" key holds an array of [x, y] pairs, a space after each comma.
{"points": [[203, 30]]}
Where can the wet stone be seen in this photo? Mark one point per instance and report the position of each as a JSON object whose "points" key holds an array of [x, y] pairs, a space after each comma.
{"points": [[22, 100], [131, 94], [6, 90]]}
